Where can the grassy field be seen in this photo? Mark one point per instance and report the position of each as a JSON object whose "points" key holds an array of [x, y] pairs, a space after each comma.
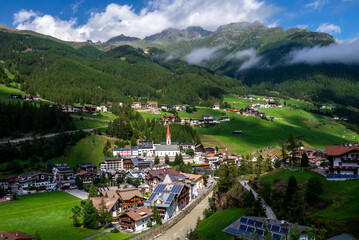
{"points": [[85, 124], [211, 227], [47, 213], [6, 91], [87, 150], [342, 196], [150, 115], [239, 103], [115, 236]]}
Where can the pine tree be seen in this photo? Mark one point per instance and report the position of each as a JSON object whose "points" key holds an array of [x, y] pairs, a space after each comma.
{"points": [[48, 167], [76, 213], [104, 215], [157, 160], [305, 160], [156, 216], [90, 219], [167, 160], [93, 192]]}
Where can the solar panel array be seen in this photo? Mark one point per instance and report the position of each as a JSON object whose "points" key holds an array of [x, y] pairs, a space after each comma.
{"points": [[160, 188], [248, 226], [177, 189], [170, 198]]}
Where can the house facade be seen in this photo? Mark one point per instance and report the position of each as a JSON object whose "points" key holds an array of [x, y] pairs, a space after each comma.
{"points": [[112, 163], [343, 159], [136, 220]]}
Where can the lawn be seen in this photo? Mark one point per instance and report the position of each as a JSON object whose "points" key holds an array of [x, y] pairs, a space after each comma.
{"points": [[85, 124], [239, 103], [313, 129], [87, 150], [342, 196], [47, 213], [211, 227], [150, 115], [6, 91]]}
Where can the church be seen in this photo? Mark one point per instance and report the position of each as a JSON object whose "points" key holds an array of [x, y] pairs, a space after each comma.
{"points": [[168, 148]]}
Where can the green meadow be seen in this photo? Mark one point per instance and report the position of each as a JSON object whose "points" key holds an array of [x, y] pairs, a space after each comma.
{"points": [[46, 213], [211, 227], [85, 124], [87, 150]]}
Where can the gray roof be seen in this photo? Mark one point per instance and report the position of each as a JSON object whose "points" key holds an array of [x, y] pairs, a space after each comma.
{"points": [[342, 237], [188, 143], [159, 147], [140, 162]]}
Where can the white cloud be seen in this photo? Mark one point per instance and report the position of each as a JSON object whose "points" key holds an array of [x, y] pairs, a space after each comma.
{"points": [[157, 15], [317, 4], [250, 57], [23, 16], [345, 51], [199, 55], [329, 28], [74, 7], [302, 26]]}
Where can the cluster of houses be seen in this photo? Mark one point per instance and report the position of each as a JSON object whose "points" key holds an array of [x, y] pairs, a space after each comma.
{"points": [[26, 98], [86, 109], [153, 105], [205, 120]]}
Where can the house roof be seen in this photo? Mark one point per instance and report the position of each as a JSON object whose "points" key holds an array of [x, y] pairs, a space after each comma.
{"points": [[14, 235], [139, 213], [127, 194], [188, 144], [160, 147], [196, 177], [111, 191], [338, 150], [109, 202]]}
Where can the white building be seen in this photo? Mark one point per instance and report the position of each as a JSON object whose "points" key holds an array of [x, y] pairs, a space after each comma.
{"points": [[170, 149]]}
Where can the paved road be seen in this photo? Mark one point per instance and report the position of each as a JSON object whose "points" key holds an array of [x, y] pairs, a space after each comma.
{"points": [[78, 193], [187, 223], [269, 212], [90, 118], [48, 135]]}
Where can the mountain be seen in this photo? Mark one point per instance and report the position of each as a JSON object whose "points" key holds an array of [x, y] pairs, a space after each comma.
{"points": [[122, 38], [175, 35], [66, 75]]}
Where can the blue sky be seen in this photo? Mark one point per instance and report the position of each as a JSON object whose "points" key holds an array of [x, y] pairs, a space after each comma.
{"points": [[78, 20]]}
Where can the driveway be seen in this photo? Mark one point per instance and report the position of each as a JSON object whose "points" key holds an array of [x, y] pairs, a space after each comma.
{"points": [[78, 193]]}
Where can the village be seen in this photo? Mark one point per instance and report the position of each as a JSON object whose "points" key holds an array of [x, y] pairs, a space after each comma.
{"points": [[137, 179]]}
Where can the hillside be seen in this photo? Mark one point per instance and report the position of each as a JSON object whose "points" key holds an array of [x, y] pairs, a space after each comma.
{"points": [[257, 55], [63, 74]]}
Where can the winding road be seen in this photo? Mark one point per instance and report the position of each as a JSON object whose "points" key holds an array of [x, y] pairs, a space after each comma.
{"points": [[269, 212], [49, 135]]}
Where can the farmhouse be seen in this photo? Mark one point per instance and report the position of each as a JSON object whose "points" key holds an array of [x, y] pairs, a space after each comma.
{"points": [[343, 159], [16, 96], [136, 220], [130, 198], [152, 105]]}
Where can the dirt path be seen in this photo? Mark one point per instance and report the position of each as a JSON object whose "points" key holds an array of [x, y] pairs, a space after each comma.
{"points": [[187, 223]]}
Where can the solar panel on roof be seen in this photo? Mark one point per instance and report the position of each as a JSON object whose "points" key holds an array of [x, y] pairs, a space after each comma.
{"points": [[250, 229], [276, 236], [152, 196], [232, 231], [275, 228], [170, 198], [283, 230], [159, 188], [243, 227], [250, 222], [260, 232], [243, 220], [269, 226], [177, 189], [259, 224]]}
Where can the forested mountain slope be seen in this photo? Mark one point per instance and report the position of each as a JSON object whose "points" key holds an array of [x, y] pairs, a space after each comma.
{"points": [[63, 74]]}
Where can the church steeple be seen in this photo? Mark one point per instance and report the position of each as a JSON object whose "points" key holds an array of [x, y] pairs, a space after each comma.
{"points": [[168, 136]]}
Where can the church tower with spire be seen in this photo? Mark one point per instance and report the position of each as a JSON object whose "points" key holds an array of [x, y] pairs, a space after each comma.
{"points": [[168, 136]]}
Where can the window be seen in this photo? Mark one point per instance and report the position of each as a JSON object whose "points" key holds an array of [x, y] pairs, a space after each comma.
{"points": [[340, 163]]}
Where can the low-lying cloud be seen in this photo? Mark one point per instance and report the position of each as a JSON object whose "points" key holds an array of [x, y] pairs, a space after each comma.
{"points": [[250, 57], [200, 55], [154, 17], [346, 52]]}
